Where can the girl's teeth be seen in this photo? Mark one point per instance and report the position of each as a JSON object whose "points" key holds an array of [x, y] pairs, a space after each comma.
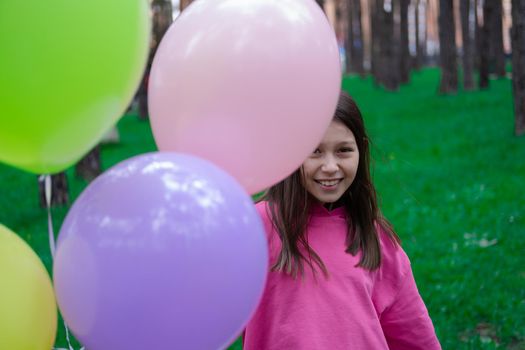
{"points": [[329, 183]]}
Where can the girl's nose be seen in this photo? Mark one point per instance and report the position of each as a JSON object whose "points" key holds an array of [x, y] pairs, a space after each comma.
{"points": [[329, 165]]}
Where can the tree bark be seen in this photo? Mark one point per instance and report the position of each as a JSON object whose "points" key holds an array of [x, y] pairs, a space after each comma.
{"points": [[404, 58], [484, 50], [417, 58], [518, 64], [162, 13], [376, 6], [389, 45], [355, 52], [359, 40], [468, 59], [349, 43], [184, 4], [89, 167], [447, 51], [385, 66], [59, 190], [112, 136], [162, 18], [477, 37], [496, 28], [424, 34]]}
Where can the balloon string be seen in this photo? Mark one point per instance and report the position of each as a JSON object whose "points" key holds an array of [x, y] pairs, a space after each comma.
{"points": [[67, 336], [50, 230], [51, 234]]}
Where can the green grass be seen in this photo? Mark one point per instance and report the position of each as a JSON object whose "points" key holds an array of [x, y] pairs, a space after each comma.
{"points": [[450, 174]]}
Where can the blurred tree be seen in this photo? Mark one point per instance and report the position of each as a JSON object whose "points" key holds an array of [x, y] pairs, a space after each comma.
{"points": [[447, 43], [142, 92], [484, 48], [518, 64], [477, 36], [417, 59], [162, 11], [420, 7], [162, 17], [89, 167], [375, 48], [497, 52], [59, 190], [393, 72], [468, 58], [385, 45], [354, 38], [404, 58]]}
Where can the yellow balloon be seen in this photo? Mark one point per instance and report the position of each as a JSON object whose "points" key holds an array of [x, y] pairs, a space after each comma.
{"points": [[28, 312]]}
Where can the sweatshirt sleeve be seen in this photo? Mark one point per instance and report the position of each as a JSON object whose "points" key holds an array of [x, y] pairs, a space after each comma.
{"points": [[405, 322]]}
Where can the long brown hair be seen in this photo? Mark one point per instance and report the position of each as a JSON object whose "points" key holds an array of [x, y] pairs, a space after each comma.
{"points": [[289, 205]]}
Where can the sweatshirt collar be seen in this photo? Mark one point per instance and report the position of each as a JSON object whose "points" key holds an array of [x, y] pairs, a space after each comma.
{"points": [[319, 210]]}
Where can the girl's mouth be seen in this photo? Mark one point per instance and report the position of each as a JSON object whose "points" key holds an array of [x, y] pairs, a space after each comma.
{"points": [[328, 184]]}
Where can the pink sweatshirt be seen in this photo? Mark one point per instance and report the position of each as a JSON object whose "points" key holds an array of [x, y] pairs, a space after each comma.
{"points": [[351, 309]]}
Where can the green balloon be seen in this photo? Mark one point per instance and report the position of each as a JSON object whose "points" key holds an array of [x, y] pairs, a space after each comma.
{"points": [[68, 70]]}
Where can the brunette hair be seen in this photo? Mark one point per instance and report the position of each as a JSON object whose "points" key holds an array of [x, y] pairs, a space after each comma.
{"points": [[289, 205]]}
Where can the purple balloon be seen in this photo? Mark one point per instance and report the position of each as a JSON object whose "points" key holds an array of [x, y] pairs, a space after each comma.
{"points": [[162, 251]]}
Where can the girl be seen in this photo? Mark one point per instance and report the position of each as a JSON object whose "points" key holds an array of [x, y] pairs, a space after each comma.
{"points": [[339, 278]]}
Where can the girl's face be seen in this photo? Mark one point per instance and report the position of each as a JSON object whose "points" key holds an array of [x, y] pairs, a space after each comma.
{"points": [[330, 170]]}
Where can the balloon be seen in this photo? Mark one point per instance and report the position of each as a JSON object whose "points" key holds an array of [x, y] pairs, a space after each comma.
{"points": [[69, 69], [162, 251], [250, 85], [28, 316]]}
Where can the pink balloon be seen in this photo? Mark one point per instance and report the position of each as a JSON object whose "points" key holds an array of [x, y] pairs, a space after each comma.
{"points": [[250, 85]]}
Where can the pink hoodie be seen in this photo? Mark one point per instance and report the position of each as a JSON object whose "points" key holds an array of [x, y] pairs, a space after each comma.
{"points": [[351, 309]]}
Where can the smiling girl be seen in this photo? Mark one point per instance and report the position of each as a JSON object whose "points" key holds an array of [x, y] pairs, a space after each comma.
{"points": [[339, 278]]}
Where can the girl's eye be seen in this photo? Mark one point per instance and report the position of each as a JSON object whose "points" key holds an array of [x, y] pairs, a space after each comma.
{"points": [[317, 151], [346, 149]]}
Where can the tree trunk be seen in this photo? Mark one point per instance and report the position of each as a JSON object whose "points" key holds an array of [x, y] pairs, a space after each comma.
{"points": [[162, 13], [447, 43], [468, 59], [424, 34], [162, 18], [142, 97], [518, 64], [359, 40], [477, 37], [484, 50], [111, 137], [89, 167], [385, 66], [404, 58], [349, 43], [417, 58], [355, 52], [375, 7], [59, 190], [496, 28], [184, 4], [389, 45]]}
